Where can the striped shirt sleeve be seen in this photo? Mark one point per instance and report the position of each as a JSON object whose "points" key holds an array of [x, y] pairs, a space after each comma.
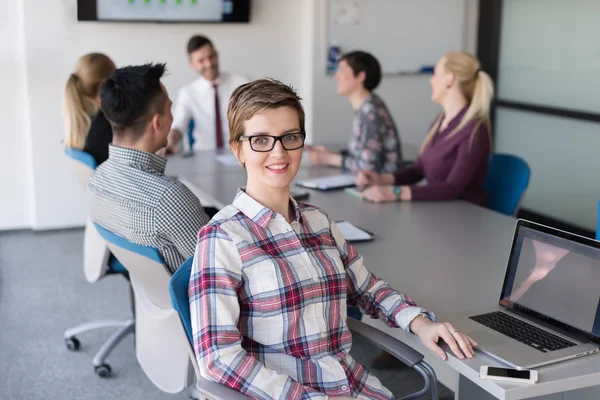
{"points": [[372, 295], [215, 280]]}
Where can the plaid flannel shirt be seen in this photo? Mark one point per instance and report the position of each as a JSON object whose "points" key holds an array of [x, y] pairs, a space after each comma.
{"points": [[268, 304]]}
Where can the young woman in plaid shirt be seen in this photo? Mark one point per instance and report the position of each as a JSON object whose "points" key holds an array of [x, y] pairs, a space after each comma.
{"points": [[272, 278]]}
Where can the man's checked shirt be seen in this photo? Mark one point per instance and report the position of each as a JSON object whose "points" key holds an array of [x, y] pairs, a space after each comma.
{"points": [[268, 304], [130, 196]]}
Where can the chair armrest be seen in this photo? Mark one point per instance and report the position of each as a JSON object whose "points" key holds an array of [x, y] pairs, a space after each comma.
{"points": [[217, 391], [398, 349]]}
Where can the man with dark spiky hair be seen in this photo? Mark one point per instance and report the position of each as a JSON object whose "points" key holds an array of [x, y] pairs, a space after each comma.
{"points": [[129, 193]]}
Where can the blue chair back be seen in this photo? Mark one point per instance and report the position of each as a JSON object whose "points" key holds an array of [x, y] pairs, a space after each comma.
{"points": [[114, 264], [81, 156], [598, 223], [506, 181], [148, 252], [190, 134], [83, 165], [178, 288], [160, 338]]}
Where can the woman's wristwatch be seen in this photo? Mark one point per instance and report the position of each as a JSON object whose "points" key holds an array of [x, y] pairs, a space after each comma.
{"points": [[424, 315], [397, 192], [421, 314]]}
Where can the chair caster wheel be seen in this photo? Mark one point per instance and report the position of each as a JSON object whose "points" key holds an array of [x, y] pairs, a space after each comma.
{"points": [[103, 371], [72, 343]]}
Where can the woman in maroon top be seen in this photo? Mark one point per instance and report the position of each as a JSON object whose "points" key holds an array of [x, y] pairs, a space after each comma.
{"points": [[454, 156]]}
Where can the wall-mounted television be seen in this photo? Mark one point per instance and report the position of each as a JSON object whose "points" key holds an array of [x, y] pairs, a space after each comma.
{"points": [[211, 11]]}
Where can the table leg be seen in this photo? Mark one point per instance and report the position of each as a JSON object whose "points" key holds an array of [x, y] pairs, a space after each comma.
{"points": [[467, 390]]}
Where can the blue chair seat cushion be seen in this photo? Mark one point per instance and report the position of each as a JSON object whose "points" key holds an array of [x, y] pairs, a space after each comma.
{"points": [[149, 252], [115, 266]]}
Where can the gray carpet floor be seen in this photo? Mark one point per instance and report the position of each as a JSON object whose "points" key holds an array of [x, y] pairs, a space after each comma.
{"points": [[43, 292]]}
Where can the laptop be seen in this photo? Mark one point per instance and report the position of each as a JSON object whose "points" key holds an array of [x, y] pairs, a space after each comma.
{"points": [[549, 308]]}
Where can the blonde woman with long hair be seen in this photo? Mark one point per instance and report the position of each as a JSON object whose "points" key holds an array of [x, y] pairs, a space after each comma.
{"points": [[86, 127], [454, 156]]}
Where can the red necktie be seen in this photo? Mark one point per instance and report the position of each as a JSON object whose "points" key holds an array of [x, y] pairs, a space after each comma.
{"points": [[218, 127]]}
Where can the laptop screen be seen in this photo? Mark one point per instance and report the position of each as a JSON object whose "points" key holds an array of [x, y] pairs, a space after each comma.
{"points": [[555, 276]]}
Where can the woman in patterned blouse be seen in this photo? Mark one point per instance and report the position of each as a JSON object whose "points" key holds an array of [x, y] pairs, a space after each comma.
{"points": [[374, 145], [271, 278]]}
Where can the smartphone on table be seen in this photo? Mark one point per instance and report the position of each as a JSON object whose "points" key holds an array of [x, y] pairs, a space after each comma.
{"points": [[508, 374]]}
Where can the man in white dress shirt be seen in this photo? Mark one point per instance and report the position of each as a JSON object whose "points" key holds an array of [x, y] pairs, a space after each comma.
{"points": [[199, 101]]}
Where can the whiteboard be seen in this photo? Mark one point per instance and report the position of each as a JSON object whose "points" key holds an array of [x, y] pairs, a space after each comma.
{"points": [[404, 35]]}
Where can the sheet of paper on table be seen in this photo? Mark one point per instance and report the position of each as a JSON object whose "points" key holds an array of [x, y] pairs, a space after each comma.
{"points": [[353, 233]]}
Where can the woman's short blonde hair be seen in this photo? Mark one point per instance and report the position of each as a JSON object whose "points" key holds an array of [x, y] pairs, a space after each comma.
{"points": [[257, 96]]}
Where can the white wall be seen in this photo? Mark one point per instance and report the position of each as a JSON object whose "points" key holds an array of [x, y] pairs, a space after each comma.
{"points": [[54, 40], [15, 163], [286, 40]]}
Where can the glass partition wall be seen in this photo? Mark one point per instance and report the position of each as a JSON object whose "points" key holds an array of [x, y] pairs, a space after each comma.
{"points": [[545, 60]]}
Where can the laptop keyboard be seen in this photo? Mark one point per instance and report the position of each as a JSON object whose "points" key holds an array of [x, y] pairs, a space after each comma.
{"points": [[525, 333]]}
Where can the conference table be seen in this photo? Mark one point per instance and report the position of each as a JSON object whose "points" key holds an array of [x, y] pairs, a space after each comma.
{"points": [[450, 257]]}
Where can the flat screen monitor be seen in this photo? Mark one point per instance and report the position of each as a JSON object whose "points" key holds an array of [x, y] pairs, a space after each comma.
{"points": [[189, 11]]}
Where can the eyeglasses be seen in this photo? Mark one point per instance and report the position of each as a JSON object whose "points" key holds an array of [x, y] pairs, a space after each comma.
{"points": [[266, 143]]}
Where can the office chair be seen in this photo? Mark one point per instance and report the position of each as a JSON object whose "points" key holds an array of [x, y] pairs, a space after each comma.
{"points": [[506, 182], [125, 327], [83, 164], [598, 223], [178, 287], [97, 262], [161, 346]]}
